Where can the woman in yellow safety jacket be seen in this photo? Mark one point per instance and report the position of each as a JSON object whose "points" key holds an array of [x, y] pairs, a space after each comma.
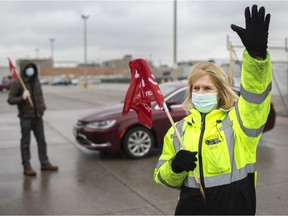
{"points": [[221, 131]]}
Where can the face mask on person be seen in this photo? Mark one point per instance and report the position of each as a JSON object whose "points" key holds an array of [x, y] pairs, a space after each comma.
{"points": [[204, 103], [29, 72]]}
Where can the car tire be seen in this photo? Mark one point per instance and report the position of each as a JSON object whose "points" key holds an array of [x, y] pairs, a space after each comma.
{"points": [[138, 142]]}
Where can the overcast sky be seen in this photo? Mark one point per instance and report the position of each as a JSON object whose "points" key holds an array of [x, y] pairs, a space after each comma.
{"points": [[143, 29]]}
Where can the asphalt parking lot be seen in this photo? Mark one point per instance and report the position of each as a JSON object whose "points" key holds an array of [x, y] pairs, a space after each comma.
{"points": [[90, 183]]}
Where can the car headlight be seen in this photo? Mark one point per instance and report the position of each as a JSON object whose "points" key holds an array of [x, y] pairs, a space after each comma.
{"points": [[101, 124]]}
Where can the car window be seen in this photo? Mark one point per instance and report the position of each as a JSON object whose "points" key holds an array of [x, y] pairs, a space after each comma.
{"points": [[177, 98], [166, 89]]}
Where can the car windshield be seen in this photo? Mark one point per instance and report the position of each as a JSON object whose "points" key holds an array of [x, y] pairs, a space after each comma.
{"points": [[166, 89]]}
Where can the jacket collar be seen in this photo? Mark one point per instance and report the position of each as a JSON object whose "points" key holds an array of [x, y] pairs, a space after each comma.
{"points": [[211, 118]]}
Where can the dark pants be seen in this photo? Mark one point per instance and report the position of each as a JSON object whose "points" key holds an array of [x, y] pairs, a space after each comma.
{"points": [[36, 125], [236, 198]]}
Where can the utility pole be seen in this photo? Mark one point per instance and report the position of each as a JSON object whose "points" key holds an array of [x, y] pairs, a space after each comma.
{"points": [[231, 64], [175, 35], [85, 18], [37, 53], [286, 50], [52, 40]]}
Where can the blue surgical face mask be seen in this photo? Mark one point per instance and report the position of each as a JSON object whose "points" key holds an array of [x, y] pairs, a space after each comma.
{"points": [[29, 72], [204, 103]]}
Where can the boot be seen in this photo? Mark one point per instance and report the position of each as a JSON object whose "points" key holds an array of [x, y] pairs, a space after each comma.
{"points": [[29, 171], [48, 167]]}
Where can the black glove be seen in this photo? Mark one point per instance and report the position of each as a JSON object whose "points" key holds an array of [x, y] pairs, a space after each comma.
{"points": [[184, 160], [255, 36]]}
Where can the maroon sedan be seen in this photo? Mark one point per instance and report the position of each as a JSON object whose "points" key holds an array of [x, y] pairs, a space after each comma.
{"points": [[106, 129], [6, 83]]}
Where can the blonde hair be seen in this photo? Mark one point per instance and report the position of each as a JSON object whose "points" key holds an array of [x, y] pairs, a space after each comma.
{"points": [[226, 96]]}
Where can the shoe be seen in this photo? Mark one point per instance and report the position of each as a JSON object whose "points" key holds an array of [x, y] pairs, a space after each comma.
{"points": [[48, 167], [29, 171]]}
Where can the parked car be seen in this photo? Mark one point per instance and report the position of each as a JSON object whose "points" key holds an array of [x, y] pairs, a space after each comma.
{"points": [[6, 83], [61, 81], [44, 81], [75, 81], [106, 129]]}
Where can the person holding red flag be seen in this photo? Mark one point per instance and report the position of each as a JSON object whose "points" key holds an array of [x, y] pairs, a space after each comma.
{"points": [[28, 86], [221, 131]]}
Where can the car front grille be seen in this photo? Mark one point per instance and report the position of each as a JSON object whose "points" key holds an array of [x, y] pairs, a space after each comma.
{"points": [[82, 139]]}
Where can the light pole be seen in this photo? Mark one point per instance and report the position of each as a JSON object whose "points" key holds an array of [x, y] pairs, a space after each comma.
{"points": [[85, 18], [175, 35], [52, 40], [37, 52]]}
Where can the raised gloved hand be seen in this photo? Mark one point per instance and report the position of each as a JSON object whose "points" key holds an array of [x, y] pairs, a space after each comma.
{"points": [[255, 36], [184, 160], [26, 94]]}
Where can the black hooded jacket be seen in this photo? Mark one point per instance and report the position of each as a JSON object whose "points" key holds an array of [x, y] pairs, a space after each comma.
{"points": [[25, 110]]}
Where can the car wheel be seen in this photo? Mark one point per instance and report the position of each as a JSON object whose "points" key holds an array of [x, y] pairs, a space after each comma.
{"points": [[138, 142]]}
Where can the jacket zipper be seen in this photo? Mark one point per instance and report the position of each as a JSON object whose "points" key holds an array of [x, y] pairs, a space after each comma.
{"points": [[200, 150]]}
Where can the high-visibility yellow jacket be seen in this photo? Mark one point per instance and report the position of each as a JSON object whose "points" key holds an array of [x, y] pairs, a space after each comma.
{"points": [[226, 142]]}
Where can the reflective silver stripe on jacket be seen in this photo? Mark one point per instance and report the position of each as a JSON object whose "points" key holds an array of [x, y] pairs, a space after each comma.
{"points": [[176, 144], [224, 179], [236, 174], [253, 97], [160, 163], [248, 131], [164, 182]]}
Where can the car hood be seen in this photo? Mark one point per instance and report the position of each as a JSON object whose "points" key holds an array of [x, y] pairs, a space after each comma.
{"points": [[104, 113]]}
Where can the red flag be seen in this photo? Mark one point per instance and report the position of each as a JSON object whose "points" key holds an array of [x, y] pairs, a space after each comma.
{"points": [[12, 69], [142, 90]]}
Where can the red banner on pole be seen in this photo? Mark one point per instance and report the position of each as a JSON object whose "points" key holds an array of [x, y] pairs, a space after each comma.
{"points": [[142, 90], [12, 69]]}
